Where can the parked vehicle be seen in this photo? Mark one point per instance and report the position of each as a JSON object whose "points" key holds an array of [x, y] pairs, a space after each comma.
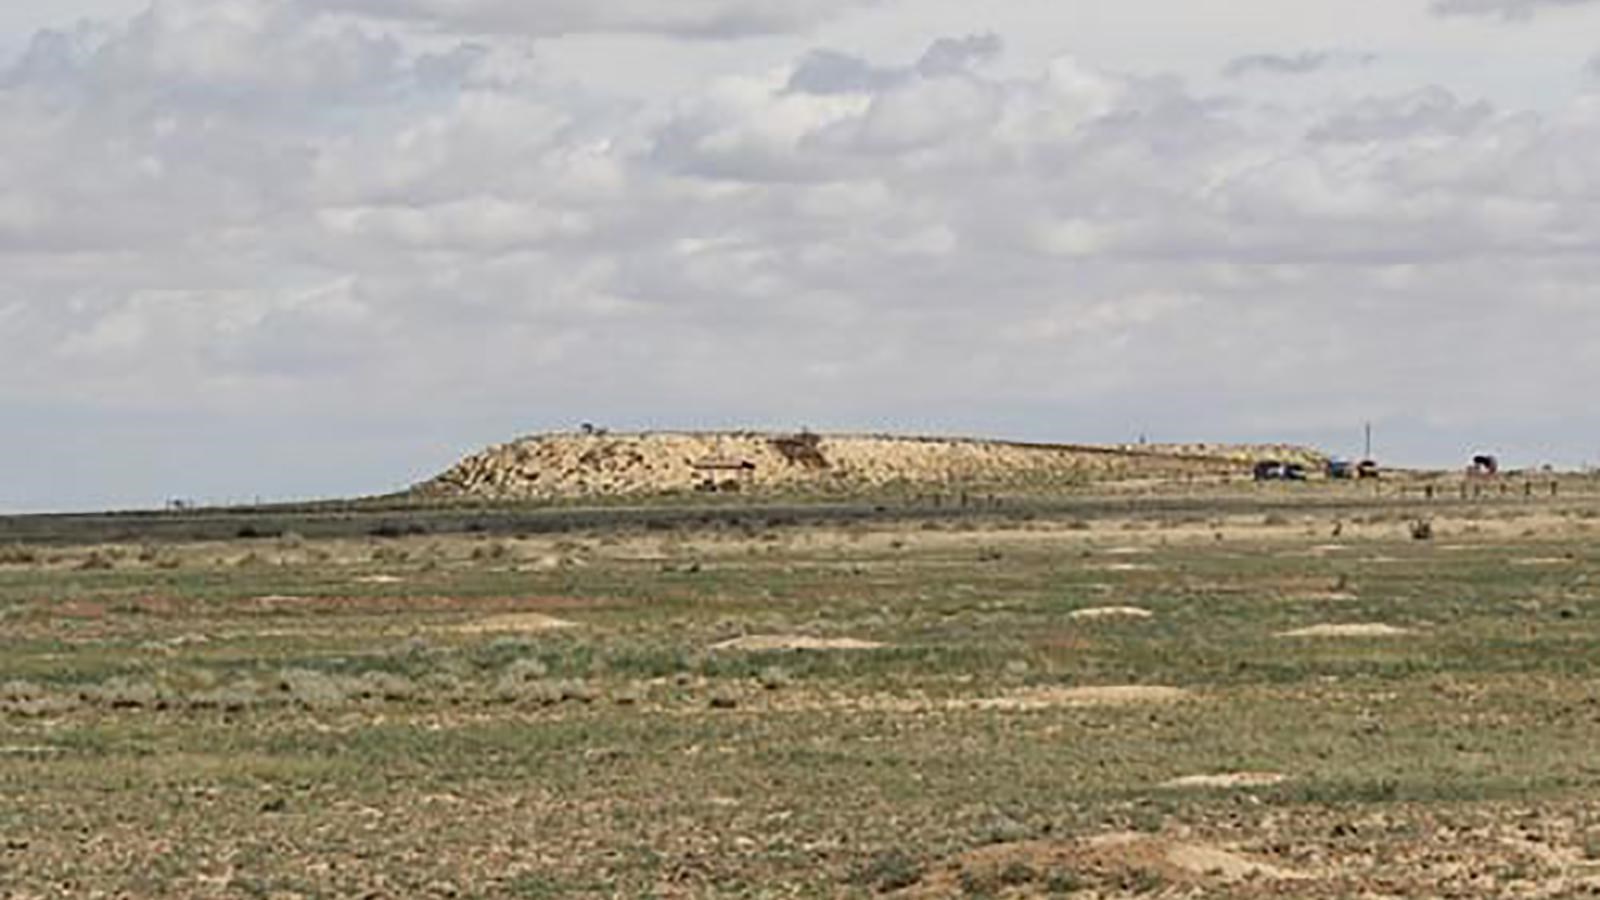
{"points": [[1269, 470]]}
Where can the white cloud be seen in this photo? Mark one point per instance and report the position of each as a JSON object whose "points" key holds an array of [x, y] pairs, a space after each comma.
{"points": [[1303, 63], [688, 18], [1510, 10]]}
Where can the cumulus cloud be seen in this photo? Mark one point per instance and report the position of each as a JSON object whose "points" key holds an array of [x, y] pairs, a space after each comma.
{"points": [[952, 56], [1508, 10], [1429, 112], [687, 18], [832, 72], [225, 208], [1303, 63], [826, 71]]}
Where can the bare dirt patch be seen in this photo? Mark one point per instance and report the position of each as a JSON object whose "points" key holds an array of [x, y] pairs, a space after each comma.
{"points": [[1126, 567], [1350, 630], [1023, 700], [1327, 597], [32, 751], [1194, 859], [1228, 780], [514, 623], [1111, 612], [764, 642], [1053, 697], [281, 601]]}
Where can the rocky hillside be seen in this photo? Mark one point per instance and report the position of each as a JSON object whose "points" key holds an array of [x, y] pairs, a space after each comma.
{"points": [[565, 466]]}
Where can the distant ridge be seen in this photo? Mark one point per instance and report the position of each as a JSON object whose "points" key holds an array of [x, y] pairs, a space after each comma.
{"points": [[572, 466]]}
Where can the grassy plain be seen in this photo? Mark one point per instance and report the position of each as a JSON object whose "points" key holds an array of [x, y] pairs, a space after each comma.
{"points": [[1096, 705]]}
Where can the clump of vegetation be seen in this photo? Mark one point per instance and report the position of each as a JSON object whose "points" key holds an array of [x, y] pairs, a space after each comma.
{"points": [[30, 700], [495, 550], [18, 555], [446, 686], [123, 692], [237, 697], [386, 686], [889, 870], [98, 561], [774, 678], [393, 530], [390, 555], [525, 681], [314, 690]]}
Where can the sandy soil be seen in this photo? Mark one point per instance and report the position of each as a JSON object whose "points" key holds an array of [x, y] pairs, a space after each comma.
{"points": [[1352, 630], [513, 623], [764, 642], [1051, 697], [1228, 780], [1111, 612]]}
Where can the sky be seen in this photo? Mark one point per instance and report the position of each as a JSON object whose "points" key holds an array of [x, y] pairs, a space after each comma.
{"points": [[284, 249]]}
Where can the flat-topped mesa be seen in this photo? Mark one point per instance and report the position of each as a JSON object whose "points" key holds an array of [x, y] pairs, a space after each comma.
{"points": [[566, 466]]}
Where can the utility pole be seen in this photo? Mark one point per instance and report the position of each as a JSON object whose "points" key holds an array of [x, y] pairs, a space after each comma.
{"points": [[1369, 442]]}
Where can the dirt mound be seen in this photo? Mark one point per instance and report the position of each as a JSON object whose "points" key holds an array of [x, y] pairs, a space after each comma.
{"points": [[760, 642], [578, 465], [1112, 862], [1358, 629]]}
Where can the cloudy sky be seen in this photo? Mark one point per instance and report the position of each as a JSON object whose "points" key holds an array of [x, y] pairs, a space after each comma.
{"points": [[293, 248]]}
